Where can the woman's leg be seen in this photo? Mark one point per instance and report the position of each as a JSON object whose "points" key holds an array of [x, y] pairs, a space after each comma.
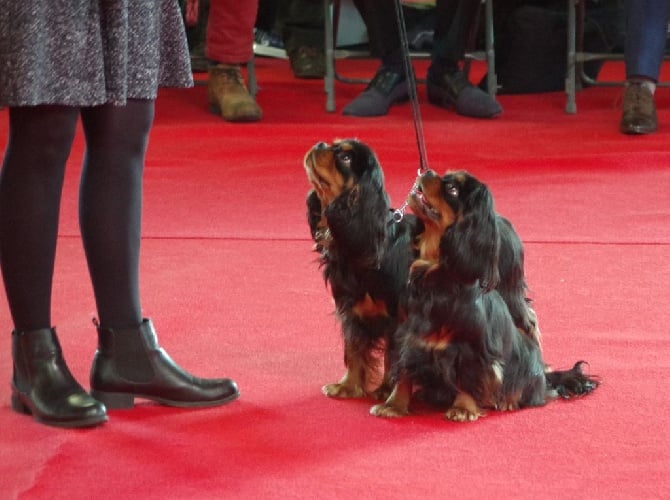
{"points": [[31, 181], [110, 206], [129, 363], [30, 191]]}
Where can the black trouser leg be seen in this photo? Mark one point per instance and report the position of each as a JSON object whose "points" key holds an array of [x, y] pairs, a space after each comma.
{"points": [[380, 20], [454, 19]]}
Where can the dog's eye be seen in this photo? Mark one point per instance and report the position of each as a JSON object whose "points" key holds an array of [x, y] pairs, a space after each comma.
{"points": [[345, 157], [451, 190]]}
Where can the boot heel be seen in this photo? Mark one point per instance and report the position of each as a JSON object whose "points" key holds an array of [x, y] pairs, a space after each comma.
{"points": [[215, 108], [18, 406], [114, 400]]}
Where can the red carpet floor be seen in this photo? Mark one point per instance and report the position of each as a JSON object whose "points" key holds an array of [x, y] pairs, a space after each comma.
{"points": [[231, 284]]}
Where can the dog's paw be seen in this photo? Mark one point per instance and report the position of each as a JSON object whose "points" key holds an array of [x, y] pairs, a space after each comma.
{"points": [[507, 406], [343, 391], [385, 410], [456, 414], [382, 393]]}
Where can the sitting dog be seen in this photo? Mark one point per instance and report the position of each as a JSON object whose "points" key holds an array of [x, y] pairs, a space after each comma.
{"points": [[365, 256], [469, 343]]}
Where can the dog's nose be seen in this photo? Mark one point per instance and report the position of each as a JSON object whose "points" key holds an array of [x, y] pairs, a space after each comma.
{"points": [[320, 145]]}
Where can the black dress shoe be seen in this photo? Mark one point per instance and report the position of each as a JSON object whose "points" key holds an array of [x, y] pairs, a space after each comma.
{"points": [[129, 364], [454, 91], [639, 110], [386, 88], [42, 385]]}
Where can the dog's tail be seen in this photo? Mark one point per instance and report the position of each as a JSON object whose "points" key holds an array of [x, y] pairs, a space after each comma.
{"points": [[571, 383]]}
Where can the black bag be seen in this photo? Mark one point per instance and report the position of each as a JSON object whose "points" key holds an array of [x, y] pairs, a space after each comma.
{"points": [[531, 44]]}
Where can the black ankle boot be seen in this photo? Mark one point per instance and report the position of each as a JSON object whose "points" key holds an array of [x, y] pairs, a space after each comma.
{"points": [[129, 364], [43, 386]]}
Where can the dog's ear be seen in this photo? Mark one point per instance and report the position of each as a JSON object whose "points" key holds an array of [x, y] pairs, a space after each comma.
{"points": [[470, 247], [366, 164]]}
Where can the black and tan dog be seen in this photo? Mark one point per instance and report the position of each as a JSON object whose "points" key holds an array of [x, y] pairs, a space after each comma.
{"points": [[365, 257], [470, 341]]}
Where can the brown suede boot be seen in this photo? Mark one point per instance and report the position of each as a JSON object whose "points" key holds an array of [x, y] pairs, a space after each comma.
{"points": [[229, 96], [639, 110]]}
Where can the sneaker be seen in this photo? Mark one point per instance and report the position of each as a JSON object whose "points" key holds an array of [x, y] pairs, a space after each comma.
{"points": [[229, 96], [308, 62], [386, 88], [639, 110], [268, 44], [454, 91]]}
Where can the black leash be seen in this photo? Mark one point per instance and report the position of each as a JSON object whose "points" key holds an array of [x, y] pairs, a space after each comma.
{"points": [[399, 213]]}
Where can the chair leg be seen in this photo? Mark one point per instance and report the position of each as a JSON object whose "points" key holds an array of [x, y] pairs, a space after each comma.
{"points": [[571, 70], [491, 76], [251, 77], [329, 78]]}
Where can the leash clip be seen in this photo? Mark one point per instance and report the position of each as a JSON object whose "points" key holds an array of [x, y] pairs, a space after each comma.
{"points": [[399, 213]]}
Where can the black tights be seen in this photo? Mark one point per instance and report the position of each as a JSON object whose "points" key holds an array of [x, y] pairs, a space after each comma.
{"points": [[110, 204]]}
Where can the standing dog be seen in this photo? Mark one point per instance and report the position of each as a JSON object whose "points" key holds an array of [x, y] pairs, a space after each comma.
{"points": [[466, 343]]}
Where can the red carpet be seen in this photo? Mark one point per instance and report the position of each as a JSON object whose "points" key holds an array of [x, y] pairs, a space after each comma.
{"points": [[231, 284]]}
